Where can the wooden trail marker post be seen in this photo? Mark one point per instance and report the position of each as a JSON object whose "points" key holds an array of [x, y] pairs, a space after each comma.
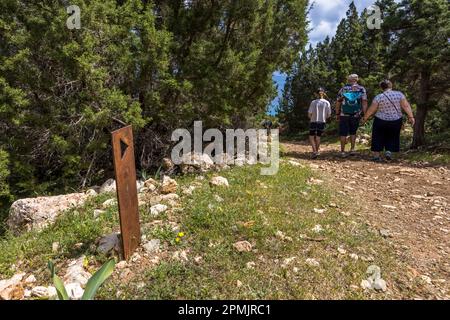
{"points": [[125, 170]]}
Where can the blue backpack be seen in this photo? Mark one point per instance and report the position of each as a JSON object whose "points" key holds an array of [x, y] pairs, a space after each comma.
{"points": [[352, 102]]}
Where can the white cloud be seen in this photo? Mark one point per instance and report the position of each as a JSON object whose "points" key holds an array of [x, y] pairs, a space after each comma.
{"points": [[324, 19], [326, 15], [326, 5], [320, 31]]}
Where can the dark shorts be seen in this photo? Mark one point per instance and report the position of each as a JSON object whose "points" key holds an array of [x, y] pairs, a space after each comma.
{"points": [[348, 125], [386, 135], [316, 129]]}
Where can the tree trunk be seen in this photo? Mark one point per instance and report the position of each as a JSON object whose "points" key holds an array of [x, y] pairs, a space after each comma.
{"points": [[419, 128], [422, 110]]}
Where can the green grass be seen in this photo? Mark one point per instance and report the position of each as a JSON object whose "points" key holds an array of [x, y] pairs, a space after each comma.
{"points": [[435, 152], [285, 205], [284, 202], [436, 157], [76, 231], [32, 250]]}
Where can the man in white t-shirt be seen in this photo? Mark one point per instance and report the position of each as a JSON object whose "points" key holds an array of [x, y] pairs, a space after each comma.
{"points": [[319, 111]]}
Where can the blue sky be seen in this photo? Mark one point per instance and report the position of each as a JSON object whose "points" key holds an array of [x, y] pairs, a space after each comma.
{"points": [[324, 19]]}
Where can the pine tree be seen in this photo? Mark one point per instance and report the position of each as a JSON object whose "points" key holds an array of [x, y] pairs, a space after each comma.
{"points": [[310, 73], [412, 48], [348, 46], [158, 65], [420, 51]]}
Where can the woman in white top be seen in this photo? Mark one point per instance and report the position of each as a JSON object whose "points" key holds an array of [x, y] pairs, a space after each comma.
{"points": [[388, 107]]}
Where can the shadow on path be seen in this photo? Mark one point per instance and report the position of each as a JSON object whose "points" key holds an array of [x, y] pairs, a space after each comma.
{"points": [[330, 151]]}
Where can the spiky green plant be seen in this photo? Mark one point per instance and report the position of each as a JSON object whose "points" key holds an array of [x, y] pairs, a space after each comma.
{"points": [[91, 287]]}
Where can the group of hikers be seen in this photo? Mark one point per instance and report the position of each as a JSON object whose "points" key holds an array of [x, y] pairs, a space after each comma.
{"points": [[352, 110]]}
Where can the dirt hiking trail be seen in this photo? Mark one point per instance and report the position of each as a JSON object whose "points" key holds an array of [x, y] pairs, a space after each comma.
{"points": [[408, 205]]}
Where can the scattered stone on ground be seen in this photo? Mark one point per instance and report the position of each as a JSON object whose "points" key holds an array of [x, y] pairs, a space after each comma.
{"points": [[280, 235], [354, 256], [317, 229], [287, 262], [342, 250], [219, 182], [30, 279], [11, 289], [243, 246], [55, 247], [295, 163], [152, 246], [198, 260], [136, 257], [168, 185], [196, 162], [189, 190], [75, 272], [426, 279], [98, 213], [109, 244], [108, 187], [121, 265], [385, 233], [171, 198], [150, 185], [37, 213], [157, 209], [91, 193], [313, 181], [139, 185], [43, 292], [312, 262], [109, 203], [180, 256]]}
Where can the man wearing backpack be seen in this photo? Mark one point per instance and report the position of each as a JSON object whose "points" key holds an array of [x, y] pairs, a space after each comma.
{"points": [[351, 104]]}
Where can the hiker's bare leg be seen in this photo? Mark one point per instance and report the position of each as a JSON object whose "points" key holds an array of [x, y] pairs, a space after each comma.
{"points": [[343, 143], [353, 141], [312, 140], [317, 144]]}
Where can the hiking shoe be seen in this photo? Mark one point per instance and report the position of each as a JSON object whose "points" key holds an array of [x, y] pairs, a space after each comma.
{"points": [[388, 156], [343, 155], [353, 153], [314, 155]]}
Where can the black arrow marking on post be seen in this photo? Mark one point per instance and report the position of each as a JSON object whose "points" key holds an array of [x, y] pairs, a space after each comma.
{"points": [[123, 148]]}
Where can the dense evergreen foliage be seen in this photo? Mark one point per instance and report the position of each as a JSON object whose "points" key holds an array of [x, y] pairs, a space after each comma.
{"points": [[412, 48], [157, 65], [160, 65]]}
